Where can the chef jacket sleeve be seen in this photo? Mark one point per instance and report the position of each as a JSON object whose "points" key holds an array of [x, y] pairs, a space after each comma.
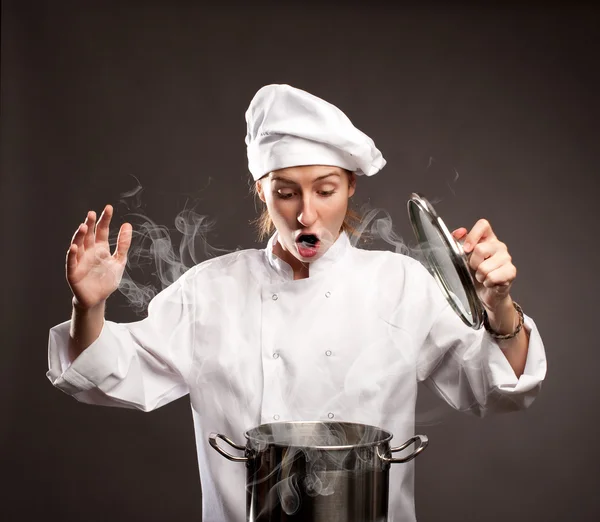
{"points": [[467, 368], [140, 365]]}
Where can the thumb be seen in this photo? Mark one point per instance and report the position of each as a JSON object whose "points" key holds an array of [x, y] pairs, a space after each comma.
{"points": [[123, 242]]}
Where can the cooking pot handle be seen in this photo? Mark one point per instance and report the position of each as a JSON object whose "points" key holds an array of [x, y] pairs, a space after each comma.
{"points": [[423, 442], [212, 440]]}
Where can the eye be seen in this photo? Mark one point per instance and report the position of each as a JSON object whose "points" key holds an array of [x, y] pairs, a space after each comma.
{"points": [[284, 195], [326, 193]]}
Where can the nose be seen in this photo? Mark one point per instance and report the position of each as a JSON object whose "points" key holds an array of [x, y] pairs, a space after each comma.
{"points": [[308, 213]]}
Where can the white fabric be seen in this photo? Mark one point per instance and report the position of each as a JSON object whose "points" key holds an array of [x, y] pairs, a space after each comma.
{"points": [[288, 127], [353, 339]]}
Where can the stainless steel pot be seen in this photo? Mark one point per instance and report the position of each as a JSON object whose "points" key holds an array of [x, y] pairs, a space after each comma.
{"points": [[317, 471]]}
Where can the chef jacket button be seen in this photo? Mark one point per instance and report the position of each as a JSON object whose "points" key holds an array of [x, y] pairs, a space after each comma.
{"points": [[328, 353], [275, 355], [330, 415], [327, 294], [275, 297], [276, 417]]}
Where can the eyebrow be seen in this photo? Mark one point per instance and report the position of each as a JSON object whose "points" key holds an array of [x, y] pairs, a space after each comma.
{"points": [[286, 180]]}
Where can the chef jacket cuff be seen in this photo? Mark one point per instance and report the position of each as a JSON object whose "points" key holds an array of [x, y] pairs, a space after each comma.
{"points": [[90, 368], [502, 377]]}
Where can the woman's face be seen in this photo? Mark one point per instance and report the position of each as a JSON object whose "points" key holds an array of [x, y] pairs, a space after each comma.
{"points": [[307, 205]]}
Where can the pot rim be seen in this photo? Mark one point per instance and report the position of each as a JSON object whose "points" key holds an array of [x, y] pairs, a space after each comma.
{"points": [[387, 436]]}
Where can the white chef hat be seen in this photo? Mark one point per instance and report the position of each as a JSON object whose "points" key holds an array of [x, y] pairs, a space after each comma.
{"points": [[288, 127]]}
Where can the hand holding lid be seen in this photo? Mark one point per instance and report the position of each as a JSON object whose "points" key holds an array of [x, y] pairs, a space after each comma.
{"points": [[473, 268], [490, 263]]}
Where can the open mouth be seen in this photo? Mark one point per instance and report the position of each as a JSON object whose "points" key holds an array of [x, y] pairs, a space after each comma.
{"points": [[308, 244]]}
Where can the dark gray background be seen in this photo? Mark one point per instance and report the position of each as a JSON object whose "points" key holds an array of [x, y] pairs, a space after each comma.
{"points": [[94, 93]]}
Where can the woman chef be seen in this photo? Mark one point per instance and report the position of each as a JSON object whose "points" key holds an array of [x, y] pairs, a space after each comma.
{"points": [[310, 328]]}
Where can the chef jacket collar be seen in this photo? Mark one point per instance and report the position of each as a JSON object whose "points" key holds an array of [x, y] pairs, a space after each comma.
{"points": [[334, 253]]}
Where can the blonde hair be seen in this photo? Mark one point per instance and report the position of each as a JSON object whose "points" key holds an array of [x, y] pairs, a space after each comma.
{"points": [[265, 227]]}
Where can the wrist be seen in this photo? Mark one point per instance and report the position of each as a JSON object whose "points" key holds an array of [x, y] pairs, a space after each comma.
{"points": [[504, 322], [503, 318], [82, 309]]}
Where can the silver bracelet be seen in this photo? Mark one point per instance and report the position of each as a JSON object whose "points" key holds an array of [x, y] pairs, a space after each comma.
{"points": [[503, 337]]}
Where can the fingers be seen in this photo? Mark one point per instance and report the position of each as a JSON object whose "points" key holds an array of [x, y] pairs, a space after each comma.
{"points": [[501, 277], [85, 236], [72, 258], [488, 257], [102, 228], [90, 221], [496, 270], [123, 242], [78, 240], [486, 250], [481, 230]]}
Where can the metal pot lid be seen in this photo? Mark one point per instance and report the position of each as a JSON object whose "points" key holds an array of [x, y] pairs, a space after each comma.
{"points": [[444, 257]]}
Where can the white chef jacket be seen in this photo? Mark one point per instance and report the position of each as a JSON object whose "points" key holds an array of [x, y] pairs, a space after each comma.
{"points": [[251, 345]]}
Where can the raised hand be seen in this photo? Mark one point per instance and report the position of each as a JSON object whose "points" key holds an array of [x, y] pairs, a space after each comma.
{"points": [[92, 272]]}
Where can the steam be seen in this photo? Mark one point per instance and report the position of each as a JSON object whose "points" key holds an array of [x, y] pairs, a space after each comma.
{"points": [[380, 228], [289, 497], [443, 173], [152, 248]]}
